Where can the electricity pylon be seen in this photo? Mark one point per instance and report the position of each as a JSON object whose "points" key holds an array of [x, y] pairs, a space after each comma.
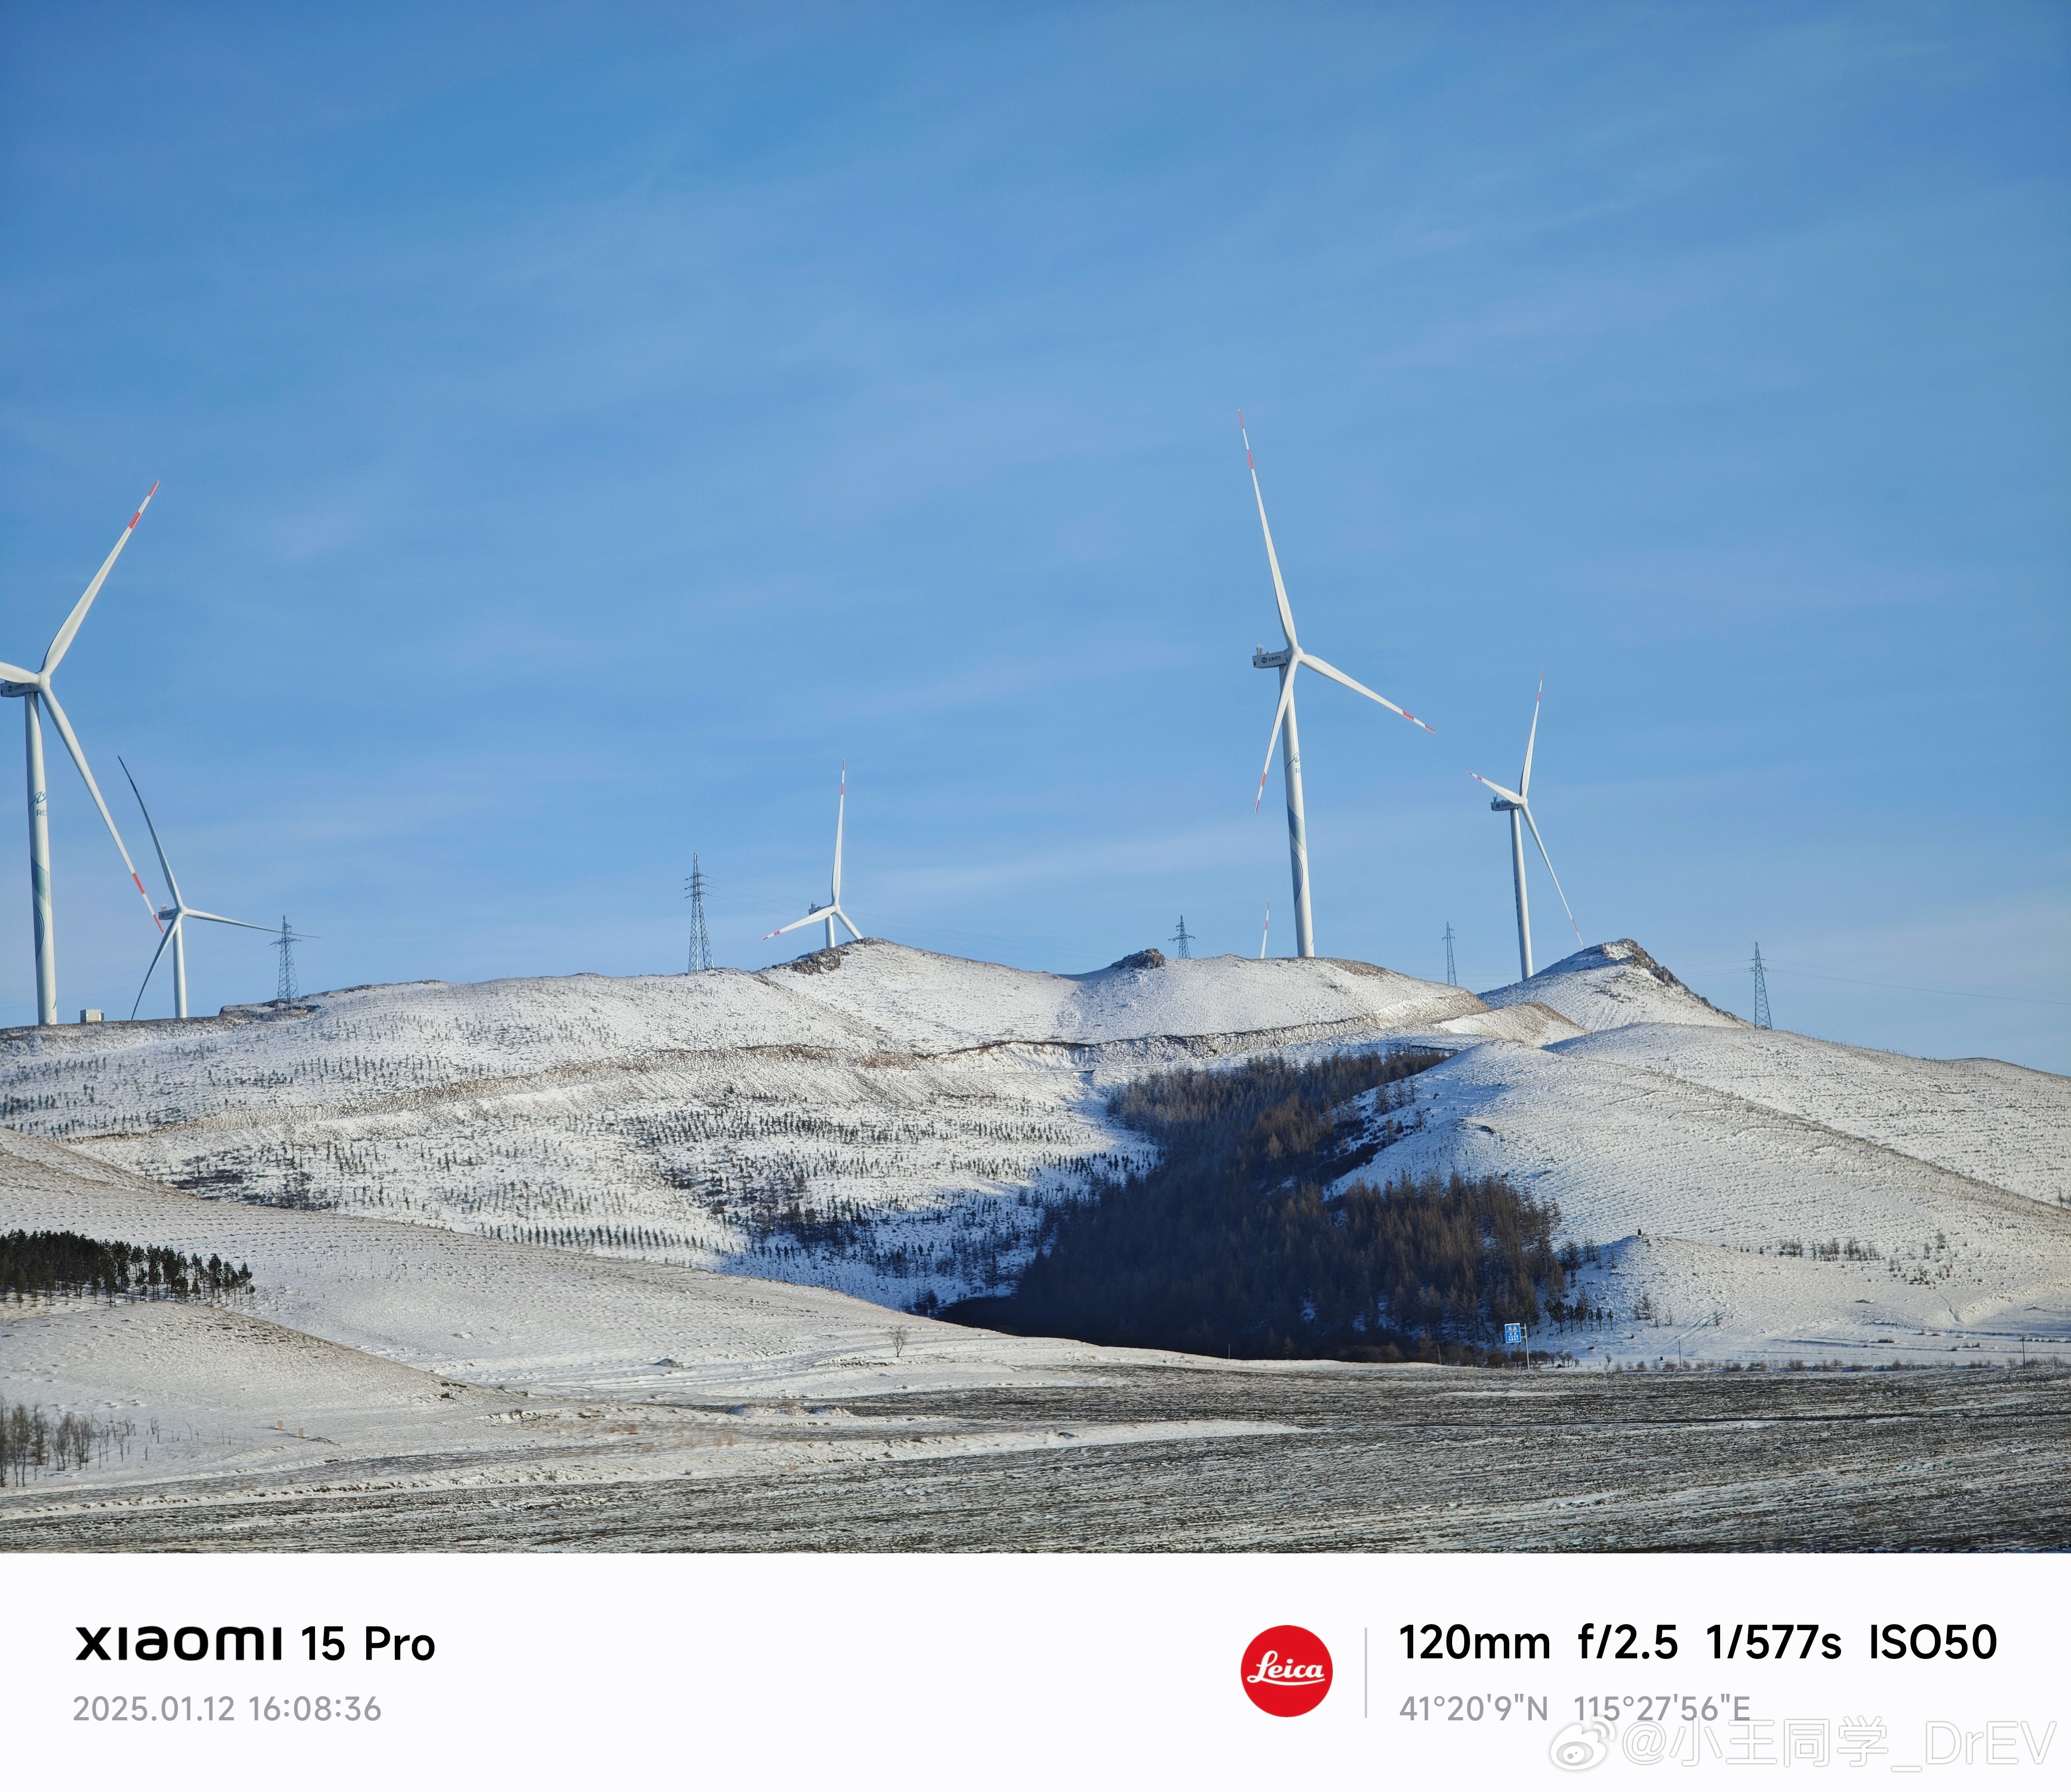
{"points": [[694, 887], [285, 942]]}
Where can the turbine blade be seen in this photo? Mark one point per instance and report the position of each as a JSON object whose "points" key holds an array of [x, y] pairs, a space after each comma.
{"points": [[155, 956], [1272, 558], [86, 771], [803, 920], [62, 640], [15, 674], [841, 814], [1273, 740], [202, 914], [165, 864], [1531, 739], [1507, 795], [855, 931], [1330, 671], [1550, 870]]}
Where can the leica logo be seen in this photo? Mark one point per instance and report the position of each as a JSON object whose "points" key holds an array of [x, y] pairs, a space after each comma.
{"points": [[1271, 1667], [1286, 1670]]}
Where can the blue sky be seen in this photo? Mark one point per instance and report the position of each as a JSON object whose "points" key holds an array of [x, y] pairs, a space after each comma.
{"points": [[584, 427]]}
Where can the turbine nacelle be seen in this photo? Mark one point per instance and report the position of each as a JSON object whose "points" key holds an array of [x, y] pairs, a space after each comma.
{"points": [[1502, 799]]}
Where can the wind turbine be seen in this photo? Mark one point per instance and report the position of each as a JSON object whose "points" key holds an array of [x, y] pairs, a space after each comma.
{"points": [[830, 911], [1514, 800], [33, 689], [1288, 662], [179, 914]]}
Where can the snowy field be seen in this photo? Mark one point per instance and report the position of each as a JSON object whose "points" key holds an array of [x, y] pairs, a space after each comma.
{"points": [[535, 1261], [388, 1386], [1198, 1458], [377, 1358], [893, 1125]]}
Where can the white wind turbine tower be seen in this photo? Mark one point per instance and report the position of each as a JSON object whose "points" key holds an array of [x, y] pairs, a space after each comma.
{"points": [[178, 915], [1514, 800], [830, 911], [1289, 660], [33, 689]]}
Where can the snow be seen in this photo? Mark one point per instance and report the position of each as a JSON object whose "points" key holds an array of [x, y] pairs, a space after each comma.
{"points": [[428, 1359], [216, 1395], [881, 1120], [516, 1182], [934, 1004], [1713, 1159], [488, 1225], [524, 1317], [1995, 1122], [1613, 985]]}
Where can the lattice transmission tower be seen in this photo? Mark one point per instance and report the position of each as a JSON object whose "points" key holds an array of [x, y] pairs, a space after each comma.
{"points": [[1450, 977], [695, 887], [284, 943], [1761, 990], [1183, 940]]}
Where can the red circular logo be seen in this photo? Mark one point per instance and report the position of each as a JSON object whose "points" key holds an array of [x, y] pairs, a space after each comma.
{"points": [[1286, 1670]]}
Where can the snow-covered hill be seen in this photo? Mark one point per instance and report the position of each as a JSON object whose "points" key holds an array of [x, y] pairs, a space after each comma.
{"points": [[892, 1123], [1613, 985], [880, 1119], [1778, 1192]]}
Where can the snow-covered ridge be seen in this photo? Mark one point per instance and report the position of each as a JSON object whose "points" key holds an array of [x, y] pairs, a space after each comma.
{"points": [[882, 1120], [933, 1004], [1616, 984], [895, 1124]]}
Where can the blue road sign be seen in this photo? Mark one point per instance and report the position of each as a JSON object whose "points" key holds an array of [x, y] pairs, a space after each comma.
{"points": [[1513, 1334]]}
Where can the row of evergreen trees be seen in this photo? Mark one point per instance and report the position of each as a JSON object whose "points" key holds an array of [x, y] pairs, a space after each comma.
{"points": [[1228, 1244], [68, 1263]]}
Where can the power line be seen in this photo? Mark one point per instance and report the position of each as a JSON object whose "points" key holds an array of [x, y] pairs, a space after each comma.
{"points": [[1183, 940], [1450, 977], [1913, 989], [695, 887], [1920, 989]]}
